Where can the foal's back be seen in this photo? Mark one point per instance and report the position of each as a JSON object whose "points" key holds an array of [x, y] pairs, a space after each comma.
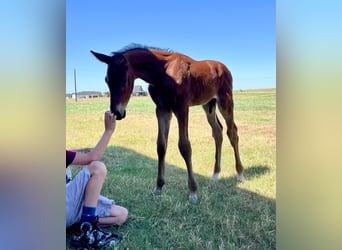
{"points": [[198, 81]]}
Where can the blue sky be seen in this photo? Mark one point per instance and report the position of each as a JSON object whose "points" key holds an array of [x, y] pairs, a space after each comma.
{"points": [[240, 33]]}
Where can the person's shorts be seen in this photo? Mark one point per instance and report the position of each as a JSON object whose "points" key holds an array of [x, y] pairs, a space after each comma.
{"points": [[75, 191]]}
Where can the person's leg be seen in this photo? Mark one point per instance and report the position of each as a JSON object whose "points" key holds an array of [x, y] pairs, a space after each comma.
{"points": [[75, 190], [89, 234], [98, 174], [118, 215]]}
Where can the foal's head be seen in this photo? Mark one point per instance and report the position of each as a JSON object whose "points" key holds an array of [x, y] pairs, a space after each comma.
{"points": [[118, 82]]}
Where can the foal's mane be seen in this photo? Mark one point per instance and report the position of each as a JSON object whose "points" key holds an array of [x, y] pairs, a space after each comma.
{"points": [[134, 46]]}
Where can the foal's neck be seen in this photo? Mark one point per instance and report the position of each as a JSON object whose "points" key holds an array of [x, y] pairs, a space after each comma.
{"points": [[146, 65]]}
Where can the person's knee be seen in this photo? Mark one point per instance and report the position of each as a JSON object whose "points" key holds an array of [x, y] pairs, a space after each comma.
{"points": [[97, 168], [125, 214], [121, 215]]}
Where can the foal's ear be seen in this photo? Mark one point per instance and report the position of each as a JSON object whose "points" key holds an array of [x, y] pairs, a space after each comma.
{"points": [[101, 57]]}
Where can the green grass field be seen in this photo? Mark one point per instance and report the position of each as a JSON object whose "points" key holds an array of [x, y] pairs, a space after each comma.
{"points": [[228, 215]]}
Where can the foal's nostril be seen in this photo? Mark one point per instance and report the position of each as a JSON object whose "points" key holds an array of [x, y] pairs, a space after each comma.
{"points": [[120, 116]]}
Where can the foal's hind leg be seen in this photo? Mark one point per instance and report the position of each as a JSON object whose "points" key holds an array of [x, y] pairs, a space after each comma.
{"points": [[216, 127], [164, 117], [226, 107]]}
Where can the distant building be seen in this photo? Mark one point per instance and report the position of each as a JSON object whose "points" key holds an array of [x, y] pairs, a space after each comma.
{"points": [[139, 91], [86, 94]]}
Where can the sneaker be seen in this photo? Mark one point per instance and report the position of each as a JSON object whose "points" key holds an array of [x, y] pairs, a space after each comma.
{"points": [[91, 236]]}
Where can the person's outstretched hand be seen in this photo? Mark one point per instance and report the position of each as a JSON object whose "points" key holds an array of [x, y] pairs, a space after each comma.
{"points": [[110, 121]]}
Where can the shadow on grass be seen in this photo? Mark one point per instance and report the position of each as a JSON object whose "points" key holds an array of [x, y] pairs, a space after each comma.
{"points": [[227, 216]]}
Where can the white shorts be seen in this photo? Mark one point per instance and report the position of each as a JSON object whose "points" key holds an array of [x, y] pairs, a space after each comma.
{"points": [[75, 191]]}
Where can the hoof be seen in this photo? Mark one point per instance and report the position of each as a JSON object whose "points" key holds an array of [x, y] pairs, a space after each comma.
{"points": [[240, 178], [215, 177], [156, 192], [193, 198]]}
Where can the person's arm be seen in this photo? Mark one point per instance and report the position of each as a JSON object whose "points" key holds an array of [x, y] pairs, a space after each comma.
{"points": [[96, 153]]}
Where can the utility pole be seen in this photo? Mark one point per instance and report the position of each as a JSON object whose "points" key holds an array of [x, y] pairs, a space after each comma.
{"points": [[75, 85]]}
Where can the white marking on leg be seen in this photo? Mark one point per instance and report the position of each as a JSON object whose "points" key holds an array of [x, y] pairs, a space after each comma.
{"points": [[215, 177], [240, 178], [193, 198], [156, 192]]}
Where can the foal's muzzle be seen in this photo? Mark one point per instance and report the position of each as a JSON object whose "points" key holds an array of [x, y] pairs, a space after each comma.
{"points": [[120, 115]]}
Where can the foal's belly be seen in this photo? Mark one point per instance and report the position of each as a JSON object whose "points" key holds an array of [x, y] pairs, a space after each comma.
{"points": [[201, 100]]}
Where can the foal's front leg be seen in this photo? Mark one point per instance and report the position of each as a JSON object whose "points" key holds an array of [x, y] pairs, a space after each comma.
{"points": [[164, 118], [185, 150]]}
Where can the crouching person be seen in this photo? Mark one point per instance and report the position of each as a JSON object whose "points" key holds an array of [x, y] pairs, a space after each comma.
{"points": [[86, 208]]}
